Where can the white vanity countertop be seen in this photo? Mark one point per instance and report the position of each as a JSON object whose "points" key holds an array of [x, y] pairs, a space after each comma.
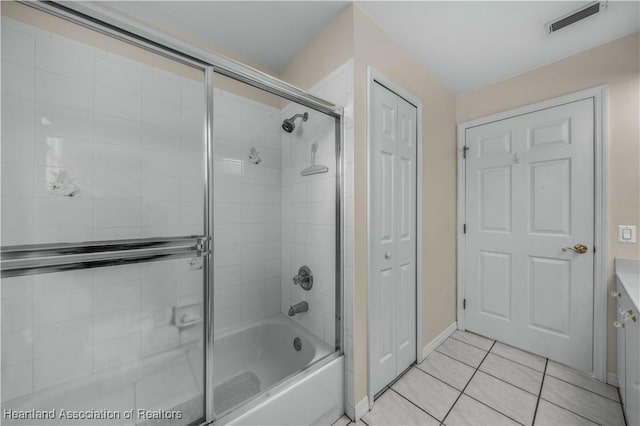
{"points": [[628, 272]]}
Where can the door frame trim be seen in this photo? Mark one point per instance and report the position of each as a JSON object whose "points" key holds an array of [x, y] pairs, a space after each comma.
{"points": [[600, 97], [373, 76]]}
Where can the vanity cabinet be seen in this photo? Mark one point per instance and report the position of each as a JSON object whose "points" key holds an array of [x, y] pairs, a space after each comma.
{"points": [[628, 329]]}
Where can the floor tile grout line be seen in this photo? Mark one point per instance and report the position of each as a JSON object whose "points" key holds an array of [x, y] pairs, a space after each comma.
{"points": [[440, 380], [456, 359], [416, 405], [482, 371], [469, 381], [519, 363], [571, 411], [493, 408], [544, 374], [583, 388], [363, 421], [467, 343], [624, 415], [545, 369], [509, 383], [535, 412]]}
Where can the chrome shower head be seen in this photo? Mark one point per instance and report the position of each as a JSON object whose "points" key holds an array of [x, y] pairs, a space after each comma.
{"points": [[289, 123]]}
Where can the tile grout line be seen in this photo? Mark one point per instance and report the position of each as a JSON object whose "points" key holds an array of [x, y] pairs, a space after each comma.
{"points": [[492, 408], [572, 412], [624, 416], [535, 412], [545, 373], [488, 374], [517, 362], [583, 388], [470, 344], [439, 379], [486, 405], [509, 383], [470, 379], [456, 359], [414, 404], [523, 365]]}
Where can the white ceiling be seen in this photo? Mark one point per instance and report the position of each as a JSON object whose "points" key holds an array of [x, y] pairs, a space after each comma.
{"points": [[465, 44], [269, 33], [468, 45]]}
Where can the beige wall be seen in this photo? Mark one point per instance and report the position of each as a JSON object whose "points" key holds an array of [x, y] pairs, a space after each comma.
{"points": [[617, 65], [330, 49]]}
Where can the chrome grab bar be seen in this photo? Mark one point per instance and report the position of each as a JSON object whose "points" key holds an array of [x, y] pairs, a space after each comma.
{"points": [[56, 257]]}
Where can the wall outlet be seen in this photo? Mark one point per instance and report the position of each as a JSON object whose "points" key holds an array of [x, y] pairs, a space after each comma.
{"points": [[626, 233]]}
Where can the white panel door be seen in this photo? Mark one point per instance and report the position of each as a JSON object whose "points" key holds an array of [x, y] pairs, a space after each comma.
{"points": [[529, 194], [393, 236]]}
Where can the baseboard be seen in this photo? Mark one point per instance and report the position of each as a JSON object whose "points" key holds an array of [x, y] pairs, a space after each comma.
{"points": [[432, 345], [612, 379], [362, 407]]}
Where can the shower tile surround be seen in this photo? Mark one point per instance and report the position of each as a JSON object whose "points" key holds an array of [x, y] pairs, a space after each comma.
{"points": [[308, 221], [96, 146], [115, 128], [247, 234]]}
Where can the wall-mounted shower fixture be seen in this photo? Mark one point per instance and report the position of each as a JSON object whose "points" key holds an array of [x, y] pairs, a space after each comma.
{"points": [[298, 308], [313, 169], [304, 278], [289, 123]]}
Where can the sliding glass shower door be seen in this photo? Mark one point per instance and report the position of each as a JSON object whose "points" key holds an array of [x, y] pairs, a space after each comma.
{"points": [[103, 237]]}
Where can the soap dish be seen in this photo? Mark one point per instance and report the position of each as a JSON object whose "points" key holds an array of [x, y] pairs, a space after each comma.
{"points": [[187, 315]]}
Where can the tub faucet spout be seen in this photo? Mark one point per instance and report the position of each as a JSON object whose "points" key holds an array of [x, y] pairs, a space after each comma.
{"points": [[298, 308]]}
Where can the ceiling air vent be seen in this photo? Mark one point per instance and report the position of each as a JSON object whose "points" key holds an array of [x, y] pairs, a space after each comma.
{"points": [[578, 15]]}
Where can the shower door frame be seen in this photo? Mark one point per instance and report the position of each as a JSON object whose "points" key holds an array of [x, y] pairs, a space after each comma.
{"points": [[105, 21]]}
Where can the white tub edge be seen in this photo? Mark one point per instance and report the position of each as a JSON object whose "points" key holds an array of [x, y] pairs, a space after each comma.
{"points": [[315, 398]]}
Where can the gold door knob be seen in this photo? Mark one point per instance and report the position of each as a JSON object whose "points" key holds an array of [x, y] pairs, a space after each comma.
{"points": [[578, 248]]}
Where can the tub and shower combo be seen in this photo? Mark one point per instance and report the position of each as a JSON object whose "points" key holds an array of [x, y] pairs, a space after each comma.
{"points": [[171, 231]]}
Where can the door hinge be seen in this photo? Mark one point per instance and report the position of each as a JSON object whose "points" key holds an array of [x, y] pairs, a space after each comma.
{"points": [[464, 228], [464, 303], [464, 152]]}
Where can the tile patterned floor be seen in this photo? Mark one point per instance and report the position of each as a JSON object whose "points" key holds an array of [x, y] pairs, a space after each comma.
{"points": [[471, 380]]}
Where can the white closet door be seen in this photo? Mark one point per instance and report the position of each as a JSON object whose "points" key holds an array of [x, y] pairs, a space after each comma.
{"points": [[392, 244], [529, 188], [405, 250]]}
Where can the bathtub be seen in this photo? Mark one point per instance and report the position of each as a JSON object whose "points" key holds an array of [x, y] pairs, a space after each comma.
{"points": [[310, 389], [168, 380], [302, 387]]}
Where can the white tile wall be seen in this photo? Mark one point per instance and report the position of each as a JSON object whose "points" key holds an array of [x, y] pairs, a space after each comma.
{"points": [[247, 212], [130, 136], [308, 209]]}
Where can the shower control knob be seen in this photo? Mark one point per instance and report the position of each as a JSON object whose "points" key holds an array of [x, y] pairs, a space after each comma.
{"points": [[387, 255]]}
